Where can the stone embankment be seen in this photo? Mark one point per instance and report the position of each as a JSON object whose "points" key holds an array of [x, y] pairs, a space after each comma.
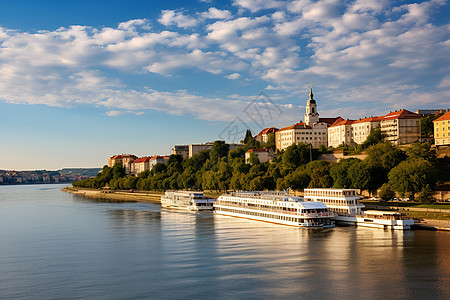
{"points": [[116, 196]]}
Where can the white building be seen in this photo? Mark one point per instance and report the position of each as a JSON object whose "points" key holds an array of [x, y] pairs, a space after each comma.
{"points": [[361, 128], [264, 155], [340, 133]]}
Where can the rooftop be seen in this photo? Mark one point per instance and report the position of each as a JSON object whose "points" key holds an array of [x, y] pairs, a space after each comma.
{"points": [[444, 117]]}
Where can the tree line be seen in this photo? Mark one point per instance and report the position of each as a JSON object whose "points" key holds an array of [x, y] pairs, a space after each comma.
{"points": [[412, 172]]}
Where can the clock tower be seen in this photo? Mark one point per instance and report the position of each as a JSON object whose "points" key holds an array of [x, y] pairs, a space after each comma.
{"points": [[311, 115]]}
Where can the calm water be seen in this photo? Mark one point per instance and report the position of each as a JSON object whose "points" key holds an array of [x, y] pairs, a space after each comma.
{"points": [[55, 245]]}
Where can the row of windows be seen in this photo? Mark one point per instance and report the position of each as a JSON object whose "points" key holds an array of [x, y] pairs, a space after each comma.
{"points": [[330, 193], [274, 217]]}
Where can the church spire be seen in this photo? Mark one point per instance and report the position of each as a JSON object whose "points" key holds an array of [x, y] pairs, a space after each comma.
{"points": [[311, 95]]}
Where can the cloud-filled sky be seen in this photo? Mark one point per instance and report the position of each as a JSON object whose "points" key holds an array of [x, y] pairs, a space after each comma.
{"points": [[80, 82]]}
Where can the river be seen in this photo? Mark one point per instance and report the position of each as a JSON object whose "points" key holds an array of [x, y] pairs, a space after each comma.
{"points": [[55, 245]]}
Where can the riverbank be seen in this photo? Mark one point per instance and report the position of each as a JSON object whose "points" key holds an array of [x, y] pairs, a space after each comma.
{"points": [[116, 196]]}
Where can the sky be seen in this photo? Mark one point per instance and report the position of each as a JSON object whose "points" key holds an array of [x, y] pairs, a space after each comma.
{"points": [[82, 80]]}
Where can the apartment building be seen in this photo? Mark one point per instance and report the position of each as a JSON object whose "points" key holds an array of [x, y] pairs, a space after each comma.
{"points": [[361, 128], [442, 130], [124, 159], [400, 127], [264, 134], [340, 133]]}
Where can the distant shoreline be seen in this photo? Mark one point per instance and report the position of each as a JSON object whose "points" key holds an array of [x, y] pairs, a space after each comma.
{"points": [[115, 196]]}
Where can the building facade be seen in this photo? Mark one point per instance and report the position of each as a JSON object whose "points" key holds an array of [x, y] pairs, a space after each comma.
{"points": [[187, 151], [182, 150], [340, 133], [400, 127], [442, 130], [124, 159], [264, 155], [361, 128], [263, 136], [140, 164]]}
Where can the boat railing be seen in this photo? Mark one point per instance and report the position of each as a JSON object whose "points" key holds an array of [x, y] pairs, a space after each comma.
{"points": [[288, 212]]}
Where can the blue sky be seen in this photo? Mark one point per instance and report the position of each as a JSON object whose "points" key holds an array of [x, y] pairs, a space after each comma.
{"points": [[83, 80]]}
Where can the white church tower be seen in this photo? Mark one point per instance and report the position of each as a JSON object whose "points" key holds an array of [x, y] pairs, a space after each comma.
{"points": [[311, 115]]}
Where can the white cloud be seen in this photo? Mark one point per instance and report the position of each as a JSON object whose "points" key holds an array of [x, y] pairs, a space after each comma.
{"points": [[115, 113], [445, 82], [171, 17], [336, 45], [257, 5], [234, 76], [214, 13]]}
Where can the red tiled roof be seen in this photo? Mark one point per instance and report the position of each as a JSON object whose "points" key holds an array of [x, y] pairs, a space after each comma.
{"points": [[258, 150], [444, 117], [158, 157], [142, 159], [267, 131], [296, 126], [370, 119], [342, 123], [330, 121], [120, 156], [401, 114]]}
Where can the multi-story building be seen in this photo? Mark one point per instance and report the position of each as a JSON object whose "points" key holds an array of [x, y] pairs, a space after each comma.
{"points": [[442, 130], [124, 159], [182, 150], [187, 151], [400, 127], [340, 133], [264, 155], [361, 128], [140, 164], [301, 133], [263, 136], [156, 160]]}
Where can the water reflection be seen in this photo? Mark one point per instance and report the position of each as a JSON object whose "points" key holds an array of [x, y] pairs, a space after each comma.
{"points": [[56, 245]]}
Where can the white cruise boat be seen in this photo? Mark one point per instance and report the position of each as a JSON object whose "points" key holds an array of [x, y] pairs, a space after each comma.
{"points": [[343, 202], [274, 207], [348, 210], [384, 220], [187, 200]]}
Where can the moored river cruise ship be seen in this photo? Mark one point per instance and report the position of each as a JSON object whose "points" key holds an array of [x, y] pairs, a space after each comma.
{"points": [[343, 202], [187, 200], [274, 207], [348, 210]]}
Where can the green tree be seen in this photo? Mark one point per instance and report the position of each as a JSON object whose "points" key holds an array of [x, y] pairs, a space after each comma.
{"points": [[384, 155], [118, 171], [253, 159], [248, 136], [426, 195], [421, 151], [218, 150], [411, 176], [320, 177], [295, 156], [159, 168], [375, 136], [270, 144], [386, 193], [339, 172], [360, 176], [426, 125]]}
